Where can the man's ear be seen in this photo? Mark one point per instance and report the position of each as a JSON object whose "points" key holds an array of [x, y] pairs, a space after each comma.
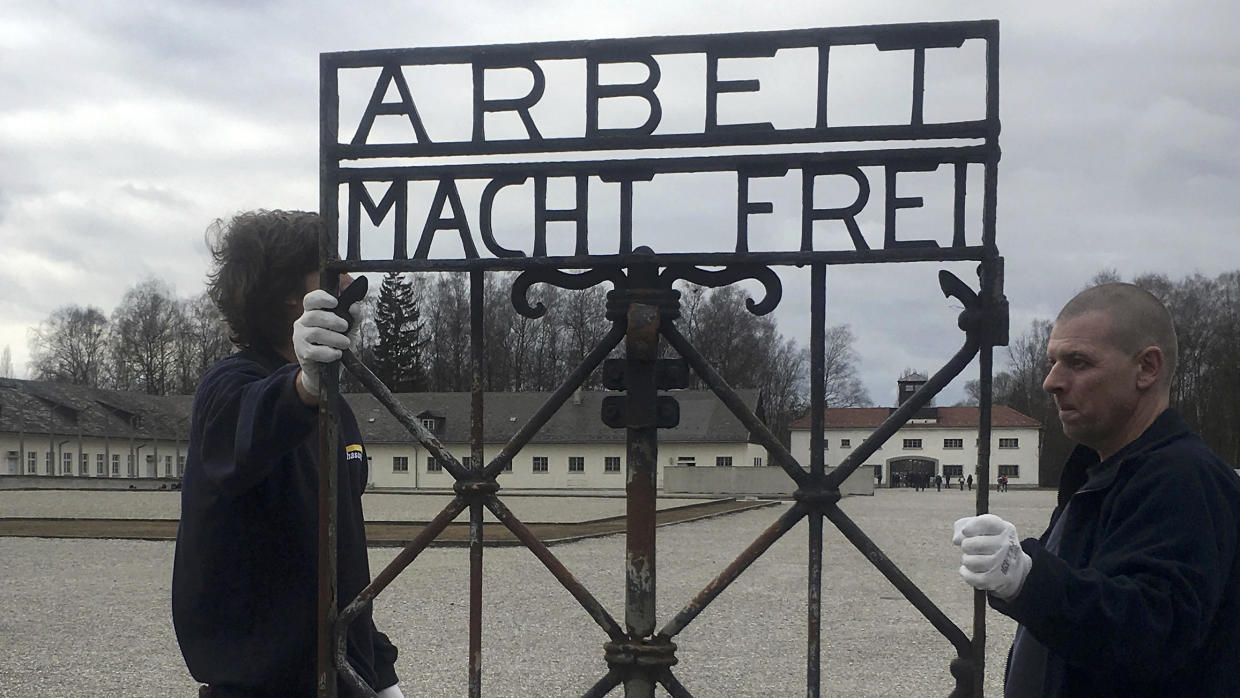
{"points": [[1150, 366]]}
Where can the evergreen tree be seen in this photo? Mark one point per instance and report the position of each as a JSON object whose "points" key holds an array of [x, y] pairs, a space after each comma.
{"points": [[398, 353]]}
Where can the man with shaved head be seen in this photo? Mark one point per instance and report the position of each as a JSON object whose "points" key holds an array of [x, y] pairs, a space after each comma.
{"points": [[1134, 588]]}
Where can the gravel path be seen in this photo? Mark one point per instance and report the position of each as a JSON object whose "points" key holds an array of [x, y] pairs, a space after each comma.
{"points": [[87, 618], [155, 504]]}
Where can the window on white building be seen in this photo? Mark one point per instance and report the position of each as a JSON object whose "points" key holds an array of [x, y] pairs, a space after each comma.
{"points": [[116, 464], [686, 460], [83, 465], [467, 462], [953, 443], [912, 443], [723, 461], [433, 465], [845, 443], [1009, 471], [32, 462], [611, 464], [180, 466], [400, 464], [167, 466], [508, 466], [953, 470], [757, 461], [1009, 443], [576, 464], [540, 464], [101, 466], [66, 464]]}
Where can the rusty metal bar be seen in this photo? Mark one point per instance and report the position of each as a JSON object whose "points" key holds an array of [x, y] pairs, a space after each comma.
{"points": [[557, 399], [415, 547], [604, 685], [991, 276], [897, 578], [817, 391], [755, 550], [813, 651], [380, 582], [640, 569], [669, 165], [734, 403], [329, 127], [896, 420], [556, 568], [674, 688], [705, 259], [476, 338], [406, 418]]}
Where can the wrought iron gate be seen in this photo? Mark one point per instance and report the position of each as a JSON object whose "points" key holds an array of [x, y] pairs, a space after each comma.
{"points": [[643, 306]]}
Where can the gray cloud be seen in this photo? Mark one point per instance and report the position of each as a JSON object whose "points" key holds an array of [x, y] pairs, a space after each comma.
{"points": [[126, 129]]}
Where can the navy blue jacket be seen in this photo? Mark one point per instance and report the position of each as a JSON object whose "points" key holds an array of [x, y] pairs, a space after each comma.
{"points": [[1143, 598], [244, 580]]}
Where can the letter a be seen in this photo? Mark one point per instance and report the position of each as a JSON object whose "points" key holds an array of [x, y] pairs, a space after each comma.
{"points": [[390, 74]]}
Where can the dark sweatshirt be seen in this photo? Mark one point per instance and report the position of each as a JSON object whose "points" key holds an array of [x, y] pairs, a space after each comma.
{"points": [[1141, 596], [244, 580]]}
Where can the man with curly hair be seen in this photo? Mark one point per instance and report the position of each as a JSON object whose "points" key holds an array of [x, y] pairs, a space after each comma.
{"points": [[244, 582]]}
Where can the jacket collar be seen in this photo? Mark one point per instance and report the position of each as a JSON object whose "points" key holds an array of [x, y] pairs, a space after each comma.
{"points": [[265, 356], [1084, 472]]}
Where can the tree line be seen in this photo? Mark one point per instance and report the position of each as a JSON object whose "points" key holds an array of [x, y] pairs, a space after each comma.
{"points": [[1206, 385], [416, 336]]}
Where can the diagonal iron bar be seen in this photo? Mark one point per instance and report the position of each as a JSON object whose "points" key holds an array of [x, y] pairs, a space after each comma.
{"points": [[755, 550], [380, 582], [673, 686], [404, 416], [896, 420], [544, 414], [897, 578], [734, 403], [604, 685], [556, 568]]}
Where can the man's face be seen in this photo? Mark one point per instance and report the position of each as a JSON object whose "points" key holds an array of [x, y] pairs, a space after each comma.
{"points": [[1094, 383]]}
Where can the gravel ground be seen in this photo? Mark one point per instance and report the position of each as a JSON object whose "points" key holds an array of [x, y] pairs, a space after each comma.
{"points": [[89, 618], [154, 504]]}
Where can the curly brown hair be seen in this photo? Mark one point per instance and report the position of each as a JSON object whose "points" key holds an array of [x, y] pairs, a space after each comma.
{"points": [[260, 259]]}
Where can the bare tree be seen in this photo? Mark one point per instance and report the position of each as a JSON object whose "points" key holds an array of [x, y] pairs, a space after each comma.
{"points": [[70, 346], [146, 326]]}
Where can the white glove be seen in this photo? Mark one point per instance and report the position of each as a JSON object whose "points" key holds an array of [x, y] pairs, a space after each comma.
{"points": [[992, 559], [392, 691], [318, 337]]}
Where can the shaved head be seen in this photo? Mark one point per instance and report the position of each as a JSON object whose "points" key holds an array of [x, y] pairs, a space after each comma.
{"points": [[1138, 319]]}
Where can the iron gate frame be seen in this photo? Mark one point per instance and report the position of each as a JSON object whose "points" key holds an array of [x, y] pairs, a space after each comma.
{"points": [[643, 307]]}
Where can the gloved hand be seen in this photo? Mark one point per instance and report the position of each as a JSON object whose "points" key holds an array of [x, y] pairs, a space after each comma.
{"points": [[319, 336], [392, 691], [992, 559]]}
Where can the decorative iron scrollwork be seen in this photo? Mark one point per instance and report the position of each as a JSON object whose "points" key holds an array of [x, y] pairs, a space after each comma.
{"points": [[555, 277], [730, 275]]}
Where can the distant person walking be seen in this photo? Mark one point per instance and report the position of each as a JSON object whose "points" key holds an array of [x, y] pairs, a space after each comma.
{"points": [[970, 483]]}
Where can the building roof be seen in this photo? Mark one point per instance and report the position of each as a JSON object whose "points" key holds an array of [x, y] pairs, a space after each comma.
{"points": [[703, 418], [39, 407], [44, 408], [943, 417]]}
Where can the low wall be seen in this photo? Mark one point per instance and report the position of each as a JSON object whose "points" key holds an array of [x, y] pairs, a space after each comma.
{"points": [[769, 481], [71, 482]]}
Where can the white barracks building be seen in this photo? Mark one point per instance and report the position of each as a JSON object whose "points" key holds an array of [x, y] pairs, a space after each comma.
{"points": [[75, 434], [936, 441]]}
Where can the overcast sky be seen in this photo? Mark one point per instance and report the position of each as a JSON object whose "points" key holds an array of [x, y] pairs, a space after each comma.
{"points": [[127, 127]]}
